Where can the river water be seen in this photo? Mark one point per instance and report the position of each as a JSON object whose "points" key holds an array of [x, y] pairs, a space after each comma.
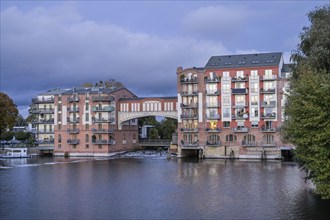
{"points": [[150, 186]]}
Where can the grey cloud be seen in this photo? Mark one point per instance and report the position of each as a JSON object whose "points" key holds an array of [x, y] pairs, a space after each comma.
{"points": [[52, 50]]}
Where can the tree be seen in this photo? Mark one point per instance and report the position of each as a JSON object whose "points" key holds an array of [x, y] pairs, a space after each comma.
{"points": [[167, 128], [20, 121], [7, 135], [8, 112], [308, 102], [153, 133], [22, 136]]}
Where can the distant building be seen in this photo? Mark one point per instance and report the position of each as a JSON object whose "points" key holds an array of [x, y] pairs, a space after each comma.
{"points": [[233, 107]]}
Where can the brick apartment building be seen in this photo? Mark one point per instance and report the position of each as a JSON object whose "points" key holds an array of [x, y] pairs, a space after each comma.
{"points": [[233, 107]]}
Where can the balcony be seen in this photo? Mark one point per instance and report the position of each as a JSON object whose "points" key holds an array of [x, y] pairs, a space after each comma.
{"points": [[73, 130], [268, 78], [103, 98], [103, 141], [103, 109], [45, 141], [239, 79], [240, 116], [214, 80], [249, 143], [103, 120], [102, 131], [73, 99], [269, 144], [73, 109], [189, 130], [43, 100], [268, 129], [189, 81], [213, 117], [271, 104], [268, 116], [240, 105], [209, 93], [188, 145], [72, 120], [189, 116], [192, 105], [240, 130], [213, 105], [214, 130], [43, 121], [185, 93], [73, 141], [213, 143], [43, 131], [267, 91], [239, 91], [42, 111]]}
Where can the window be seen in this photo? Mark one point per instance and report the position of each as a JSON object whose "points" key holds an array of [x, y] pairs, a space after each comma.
{"points": [[249, 139], [87, 117], [87, 146], [226, 112], [87, 106], [254, 87], [254, 74], [240, 100], [226, 75], [226, 88], [231, 138], [254, 124], [213, 139], [268, 139], [211, 101], [59, 137], [226, 100], [211, 88], [240, 74], [254, 100], [59, 107], [59, 146], [86, 138], [240, 85], [87, 126], [254, 112], [226, 124], [59, 127], [59, 117]]}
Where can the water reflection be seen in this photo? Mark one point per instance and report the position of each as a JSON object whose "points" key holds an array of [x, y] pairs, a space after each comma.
{"points": [[155, 188]]}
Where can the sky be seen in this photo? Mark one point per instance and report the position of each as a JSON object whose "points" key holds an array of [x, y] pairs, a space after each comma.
{"points": [[51, 44]]}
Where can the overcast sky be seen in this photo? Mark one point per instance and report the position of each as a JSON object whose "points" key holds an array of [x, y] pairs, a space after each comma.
{"points": [[49, 44]]}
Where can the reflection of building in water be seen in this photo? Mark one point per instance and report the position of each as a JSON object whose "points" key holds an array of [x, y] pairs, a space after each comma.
{"points": [[233, 107]]}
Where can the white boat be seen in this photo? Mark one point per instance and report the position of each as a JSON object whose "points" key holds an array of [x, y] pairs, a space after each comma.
{"points": [[16, 153]]}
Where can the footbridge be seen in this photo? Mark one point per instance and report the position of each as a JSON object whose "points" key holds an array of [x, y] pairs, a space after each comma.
{"points": [[132, 108]]}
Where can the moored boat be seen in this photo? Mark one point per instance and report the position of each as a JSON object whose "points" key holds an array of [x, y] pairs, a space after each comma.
{"points": [[16, 153]]}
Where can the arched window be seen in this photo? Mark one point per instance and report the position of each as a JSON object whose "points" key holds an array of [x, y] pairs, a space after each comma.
{"points": [[249, 139], [231, 138], [213, 139], [268, 139]]}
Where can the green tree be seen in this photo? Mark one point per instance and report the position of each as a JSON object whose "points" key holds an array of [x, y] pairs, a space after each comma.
{"points": [[154, 133], [7, 135], [8, 112], [167, 128], [20, 121], [22, 136], [308, 102]]}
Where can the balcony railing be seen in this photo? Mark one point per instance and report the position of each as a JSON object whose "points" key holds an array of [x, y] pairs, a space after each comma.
{"points": [[103, 120], [73, 130], [73, 99], [188, 145], [213, 117], [72, 120], [240, 130], [43, 121], [268, 78], [268, 129], [42, 111], [212, 80], [239, 79], [43, 131], [45, 141], [209, 93], [73, 141], [240, 116], [103, 98], [269, 144], [239, 91], [213, 105], [102, 109], [240, 105], [73, 109], [249, 143], [268, 116], [189, 130], [214, 130], [267, 91], [102, 131], [271, 104], [43, 100], [185, 93], [187, 81], [189, 116], [103, 141], [213, 143], [192, 105]]}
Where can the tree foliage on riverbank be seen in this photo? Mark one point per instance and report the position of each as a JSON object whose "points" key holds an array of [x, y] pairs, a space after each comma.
{"points": [[8, 112], [308, 103]]}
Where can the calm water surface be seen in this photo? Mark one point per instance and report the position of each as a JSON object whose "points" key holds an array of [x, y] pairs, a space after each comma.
{"points": [[152, 187]]}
